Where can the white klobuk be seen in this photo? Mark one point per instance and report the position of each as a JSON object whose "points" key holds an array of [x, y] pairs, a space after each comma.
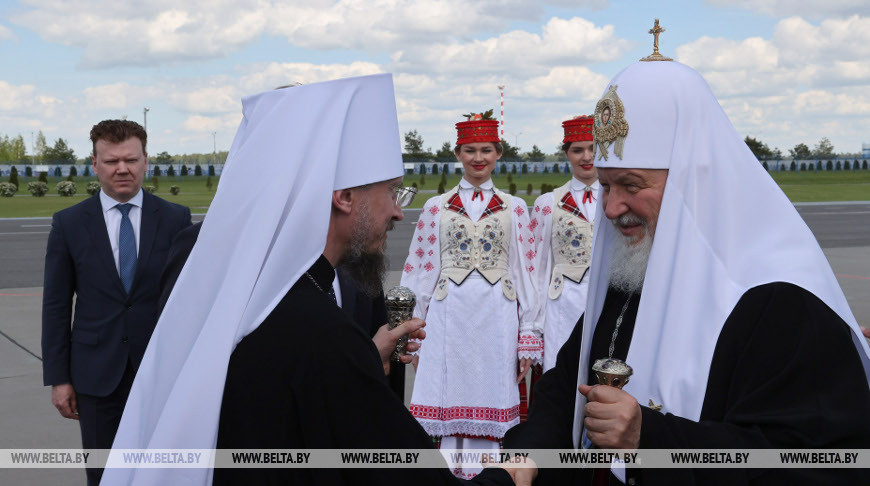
{"points": [[724, 227], [562, 228], [475, 291], [265, 227]]}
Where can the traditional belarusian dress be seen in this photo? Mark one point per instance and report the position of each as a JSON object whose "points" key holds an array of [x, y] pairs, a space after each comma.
{"points": [[562, 222], [470, 265]]}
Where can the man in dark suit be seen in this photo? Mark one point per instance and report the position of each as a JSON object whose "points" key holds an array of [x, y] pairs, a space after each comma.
{"points": [[369, 313], [108, 252]]}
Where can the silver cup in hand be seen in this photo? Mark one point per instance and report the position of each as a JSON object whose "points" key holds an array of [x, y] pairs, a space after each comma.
{"points": [[400, 308]]}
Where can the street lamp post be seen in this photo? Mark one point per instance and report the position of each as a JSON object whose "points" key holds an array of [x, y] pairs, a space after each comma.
{"points": [[145, 117]]}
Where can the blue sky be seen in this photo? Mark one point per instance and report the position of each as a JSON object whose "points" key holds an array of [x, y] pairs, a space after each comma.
{"points": [[785, 71]]}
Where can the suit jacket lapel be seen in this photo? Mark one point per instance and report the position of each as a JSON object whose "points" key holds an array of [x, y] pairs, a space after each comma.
{"points": [[147, 231], [95, 224]]}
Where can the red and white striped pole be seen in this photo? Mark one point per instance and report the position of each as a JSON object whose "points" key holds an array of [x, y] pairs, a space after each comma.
{"points": [[501, 95]]}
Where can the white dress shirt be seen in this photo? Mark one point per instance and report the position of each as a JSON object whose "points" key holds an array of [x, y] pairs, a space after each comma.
{"points": [[336, 287], [577, 190], [475, 208], [113, 222]]}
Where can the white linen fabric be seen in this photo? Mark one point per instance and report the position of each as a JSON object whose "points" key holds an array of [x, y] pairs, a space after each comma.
{"points": [[466, 377], [112, 216], [266, 226], [560, 315], [724, 227], [588, 208]]}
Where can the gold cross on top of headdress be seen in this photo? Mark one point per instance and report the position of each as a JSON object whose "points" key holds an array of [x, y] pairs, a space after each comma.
{"points": [[655, 56]]}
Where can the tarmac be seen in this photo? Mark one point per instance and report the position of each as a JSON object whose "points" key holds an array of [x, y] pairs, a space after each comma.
{"points": [[29, 421]]}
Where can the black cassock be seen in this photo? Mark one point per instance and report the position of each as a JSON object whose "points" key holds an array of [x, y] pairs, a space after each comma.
{"points": [[367, 312], [785, 374], [307, 378]]}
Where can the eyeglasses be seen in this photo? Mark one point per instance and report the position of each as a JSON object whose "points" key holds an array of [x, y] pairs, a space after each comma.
{"points": [[404, 196]]}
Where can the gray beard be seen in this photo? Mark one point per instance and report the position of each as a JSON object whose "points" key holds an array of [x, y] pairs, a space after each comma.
{"points": [[628, 262], [367, 269]]}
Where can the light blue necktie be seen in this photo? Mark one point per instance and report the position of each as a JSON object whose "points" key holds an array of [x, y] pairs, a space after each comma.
{"points": [[126, 248]]}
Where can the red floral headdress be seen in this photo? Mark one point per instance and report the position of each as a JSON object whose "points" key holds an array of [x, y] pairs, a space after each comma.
{"points": [[578, 129], [480, 127]]}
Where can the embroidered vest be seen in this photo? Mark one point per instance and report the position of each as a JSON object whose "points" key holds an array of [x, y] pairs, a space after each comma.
{"points": [[571, 241], [483, 245]]}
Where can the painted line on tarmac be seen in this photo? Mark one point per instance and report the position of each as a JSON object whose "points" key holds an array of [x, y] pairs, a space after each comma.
{"points": [[19, 345], [26, 233], [836, 213], [20, 295], [852, 276], [36, 226]]}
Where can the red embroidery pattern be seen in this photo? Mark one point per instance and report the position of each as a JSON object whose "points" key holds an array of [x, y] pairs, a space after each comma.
{"points": [[433, 210], [567, 203], [531, 268], [428, 266], [420, 224], [537, 209], [520, 211], [432, 224], [530, 254], [531, 239], [432, 239], [420, 239], [408, 268], [530, 343], [431, 252], [547, 210], [466, 413], [533, 224], [419, 252]]}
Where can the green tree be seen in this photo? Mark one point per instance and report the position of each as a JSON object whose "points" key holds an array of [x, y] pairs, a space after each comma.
{"points": [[414, 147], [170, 171], [758, 148], [43, 177], [800, 152], [536, 155], [60, 153], [163, 158], [413, 142], [184, 169], [197, 171], [823, 149], [39, 147], [509, 152], [19, 149], [445, 153], [13, 177]]}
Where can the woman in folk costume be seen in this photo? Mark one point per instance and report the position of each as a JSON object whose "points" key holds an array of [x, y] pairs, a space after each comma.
{"points": [[562, 223], [470, 265]]}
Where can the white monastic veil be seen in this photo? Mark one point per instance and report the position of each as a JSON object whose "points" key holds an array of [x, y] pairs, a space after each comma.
{"points": [[724, 228], [266, 226]]}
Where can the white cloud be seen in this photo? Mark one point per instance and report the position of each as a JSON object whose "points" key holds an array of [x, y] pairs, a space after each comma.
{"points": [[107, 96], [199, 123], [808, 8], [16, 97], [5, 33], [208, 99], [144, 33], [579, 84], [843, 39], [799, 53], [572, 41], [272, 75], [137, 33]]}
